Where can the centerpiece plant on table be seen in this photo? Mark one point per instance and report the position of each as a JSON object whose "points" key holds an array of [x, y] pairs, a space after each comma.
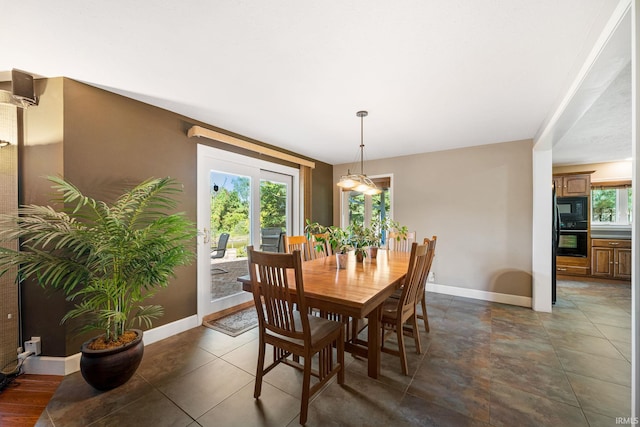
{"points": [[338, 238], [107, 259], [360, 238]]}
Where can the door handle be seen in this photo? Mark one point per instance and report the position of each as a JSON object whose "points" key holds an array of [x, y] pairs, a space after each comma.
{"points": [[206, 235]]}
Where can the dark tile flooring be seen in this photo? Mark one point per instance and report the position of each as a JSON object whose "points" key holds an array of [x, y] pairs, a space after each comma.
{"points": [[483, 364]]}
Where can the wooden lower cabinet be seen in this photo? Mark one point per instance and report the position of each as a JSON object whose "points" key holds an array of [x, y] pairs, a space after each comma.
{"points": [[611, 258], [575, 266]]}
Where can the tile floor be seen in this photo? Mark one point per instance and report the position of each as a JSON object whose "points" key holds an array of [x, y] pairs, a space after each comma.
{"points": [[483, 364]]}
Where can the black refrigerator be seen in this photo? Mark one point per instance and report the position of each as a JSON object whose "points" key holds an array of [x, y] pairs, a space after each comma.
{"points": [[555, 239]]}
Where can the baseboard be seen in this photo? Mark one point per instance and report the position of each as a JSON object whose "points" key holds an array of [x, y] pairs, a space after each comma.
{"points": [[49, 365], [481, 295]]}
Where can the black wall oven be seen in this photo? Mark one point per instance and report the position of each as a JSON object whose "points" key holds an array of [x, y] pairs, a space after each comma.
{"points": [[574, 217], [572, 243]]}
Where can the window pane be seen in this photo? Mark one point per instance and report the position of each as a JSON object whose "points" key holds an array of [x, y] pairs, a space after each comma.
{"points": [[273, 204], [603, 205], [356, 207], [230, 207], [381, 208]]}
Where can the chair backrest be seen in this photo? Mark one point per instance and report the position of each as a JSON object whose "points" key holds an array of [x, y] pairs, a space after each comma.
{"points": [[271, 238], [319, 246], [415, 278], [400, 244], [220, 250], [222, 241], [432, 248], [431, 244], [278, 308], [297, 243]]}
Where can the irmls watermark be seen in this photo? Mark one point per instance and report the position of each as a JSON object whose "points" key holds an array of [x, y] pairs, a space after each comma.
{"points": [[627, 420]]}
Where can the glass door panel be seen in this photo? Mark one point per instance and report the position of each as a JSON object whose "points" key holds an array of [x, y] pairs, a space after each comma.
{"points": [[275, 210], [230, 216]]}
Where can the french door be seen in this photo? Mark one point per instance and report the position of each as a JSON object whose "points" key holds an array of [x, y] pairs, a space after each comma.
{"points": [[248, 199]]}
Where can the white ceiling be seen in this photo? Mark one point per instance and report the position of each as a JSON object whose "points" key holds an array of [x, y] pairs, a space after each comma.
{"points": [[433, 74], [596, 126]]}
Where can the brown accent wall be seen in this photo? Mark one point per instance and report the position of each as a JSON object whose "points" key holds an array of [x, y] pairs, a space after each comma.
{"points": [[322, 190], [103, 142], [42, 155]]}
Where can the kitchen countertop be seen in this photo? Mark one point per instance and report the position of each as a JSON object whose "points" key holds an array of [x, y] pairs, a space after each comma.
{"points": [[610, 232]]}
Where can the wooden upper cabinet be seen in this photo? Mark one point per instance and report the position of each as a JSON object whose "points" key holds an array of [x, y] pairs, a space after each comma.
{"points": [[573, 185]]}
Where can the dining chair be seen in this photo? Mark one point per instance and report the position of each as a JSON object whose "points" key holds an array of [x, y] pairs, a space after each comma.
{"points": [[271, 239], [284, 323], [398, 243], [319, 247], [219, 251], [396, 312], [297, 243], [422, 296]]}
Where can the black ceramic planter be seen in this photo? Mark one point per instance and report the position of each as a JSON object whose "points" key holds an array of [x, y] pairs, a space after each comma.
{"points": [[107, 369]]}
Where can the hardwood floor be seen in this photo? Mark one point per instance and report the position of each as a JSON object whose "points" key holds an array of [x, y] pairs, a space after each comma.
{"points": [[22, 402]]}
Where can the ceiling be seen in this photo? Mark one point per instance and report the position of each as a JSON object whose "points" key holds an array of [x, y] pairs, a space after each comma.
{"points": [[596, 125], [433, 75]]}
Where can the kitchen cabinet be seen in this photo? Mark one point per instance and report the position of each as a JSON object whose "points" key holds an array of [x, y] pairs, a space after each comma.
{"points": [[573, 266], [573, 185], [611, 258]]}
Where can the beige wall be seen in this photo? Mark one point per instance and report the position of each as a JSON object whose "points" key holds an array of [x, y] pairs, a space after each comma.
{"points": [[478, 201], [612, 171]]}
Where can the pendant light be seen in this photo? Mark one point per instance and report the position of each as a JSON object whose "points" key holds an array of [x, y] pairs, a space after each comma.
{"points": [[359, 182]]}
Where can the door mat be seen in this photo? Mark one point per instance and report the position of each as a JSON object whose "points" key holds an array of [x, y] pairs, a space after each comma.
{"points": [[236, 323]]}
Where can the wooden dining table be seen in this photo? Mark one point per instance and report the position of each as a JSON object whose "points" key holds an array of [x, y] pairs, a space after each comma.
{"points": [[357, 291]]}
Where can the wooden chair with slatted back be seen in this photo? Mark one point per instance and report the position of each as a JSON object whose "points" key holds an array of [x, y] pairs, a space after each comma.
{"points": [[396, 312], [397, 243], [284, 323], [297, 243], [422, 297], [319, 247]]}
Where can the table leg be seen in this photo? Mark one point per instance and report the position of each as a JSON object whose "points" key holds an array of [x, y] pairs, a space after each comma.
{"points": [[374, 342]]}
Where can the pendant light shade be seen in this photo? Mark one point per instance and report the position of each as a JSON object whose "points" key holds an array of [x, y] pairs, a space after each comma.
{"points": [[359, 182]]}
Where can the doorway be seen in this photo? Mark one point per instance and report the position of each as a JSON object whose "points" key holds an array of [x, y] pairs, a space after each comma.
{"points": [[238, 198]]}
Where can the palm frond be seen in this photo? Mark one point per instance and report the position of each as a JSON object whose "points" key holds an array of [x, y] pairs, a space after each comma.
{"points": [[105, 257]]}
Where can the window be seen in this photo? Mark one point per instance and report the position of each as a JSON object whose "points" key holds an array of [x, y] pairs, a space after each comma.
{"points": [[611, 204], [360, 208]]}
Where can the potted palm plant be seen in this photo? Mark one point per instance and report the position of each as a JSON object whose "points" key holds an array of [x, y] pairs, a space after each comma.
{"points": [[107, 259]]}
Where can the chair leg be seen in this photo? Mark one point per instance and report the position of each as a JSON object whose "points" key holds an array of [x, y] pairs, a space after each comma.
{"points": [[340, 349], [425, 318], [306, 386], [416, 333], [403, 354], [220, 270], [260, 370]]}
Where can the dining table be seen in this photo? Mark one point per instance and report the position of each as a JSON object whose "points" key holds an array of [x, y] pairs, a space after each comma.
{"points": [[355, 292]]}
